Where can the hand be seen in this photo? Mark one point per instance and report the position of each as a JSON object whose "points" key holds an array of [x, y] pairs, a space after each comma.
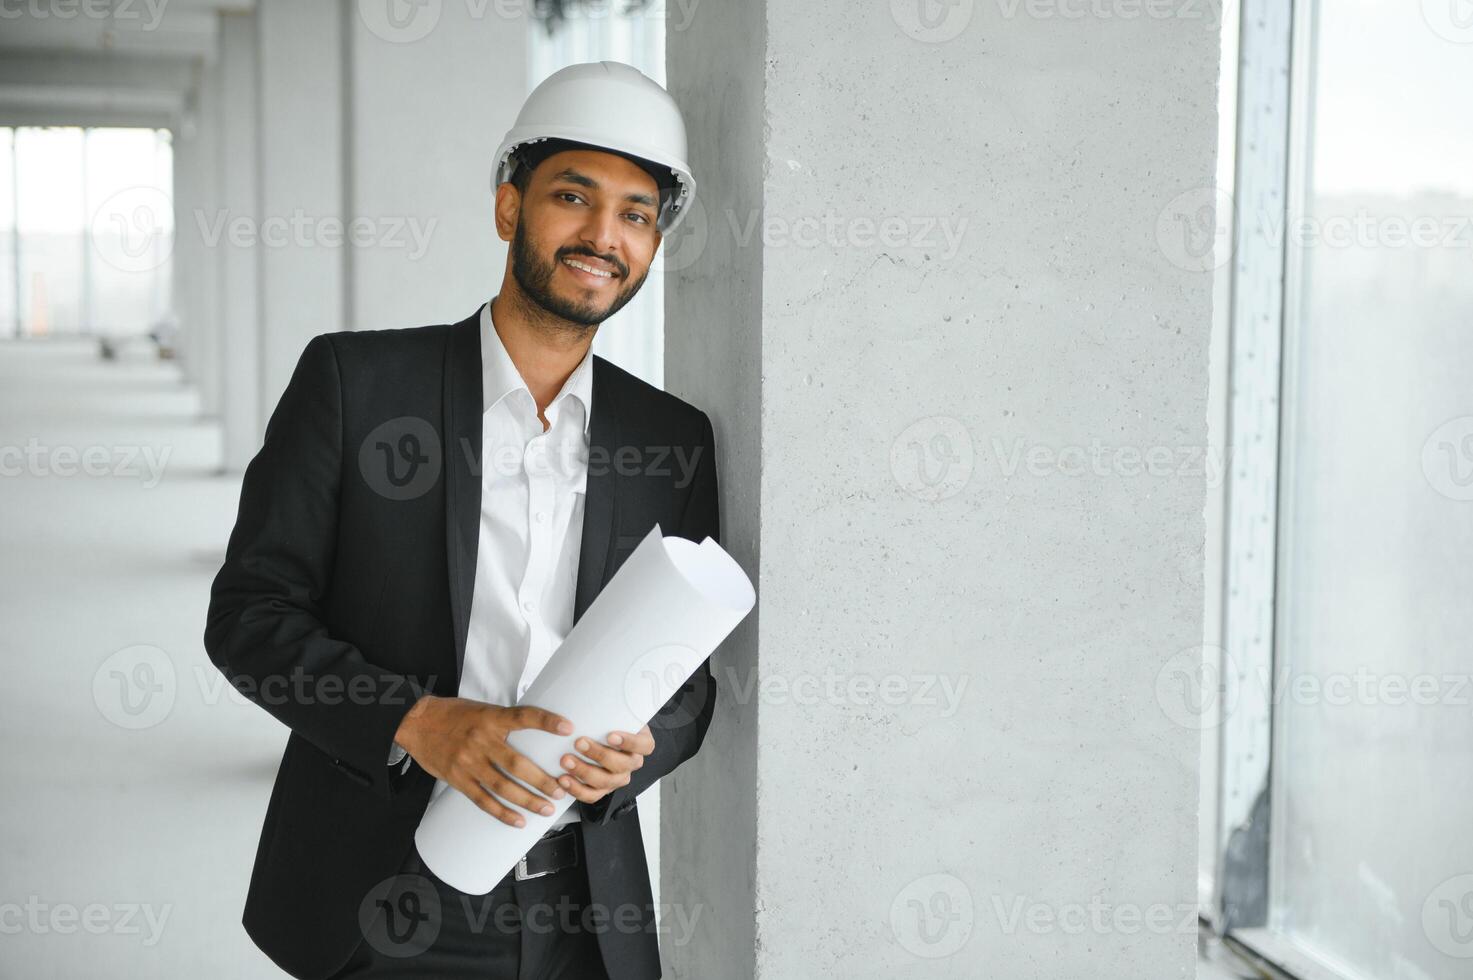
{"points": [[615, 761], [464, 743]]}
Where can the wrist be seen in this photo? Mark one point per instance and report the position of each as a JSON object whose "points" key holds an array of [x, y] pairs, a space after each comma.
{"points": [[404, 737]]}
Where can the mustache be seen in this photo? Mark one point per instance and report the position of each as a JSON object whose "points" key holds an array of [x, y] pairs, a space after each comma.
{"points": [[622, 269]]}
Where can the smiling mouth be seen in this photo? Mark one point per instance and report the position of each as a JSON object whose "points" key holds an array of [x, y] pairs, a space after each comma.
{"points": [[588, 272]]}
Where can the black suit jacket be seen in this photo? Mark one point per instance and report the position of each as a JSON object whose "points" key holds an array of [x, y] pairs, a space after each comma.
{"points": [[345, 594]]}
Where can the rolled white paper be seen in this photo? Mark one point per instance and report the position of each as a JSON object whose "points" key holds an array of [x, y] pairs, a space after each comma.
{"points": [[663, 613]]}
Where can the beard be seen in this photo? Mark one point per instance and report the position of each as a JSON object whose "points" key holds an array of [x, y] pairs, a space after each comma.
{"points": [[534, 276]]}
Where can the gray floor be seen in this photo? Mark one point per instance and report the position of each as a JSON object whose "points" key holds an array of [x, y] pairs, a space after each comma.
{"points": [[128, 825]]}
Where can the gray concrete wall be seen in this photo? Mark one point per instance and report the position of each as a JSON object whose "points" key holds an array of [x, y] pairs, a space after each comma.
{"points": [[714, 359], [935, 376]]}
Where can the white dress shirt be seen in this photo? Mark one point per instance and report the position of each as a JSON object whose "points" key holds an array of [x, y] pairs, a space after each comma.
{"points": [[532, 489]]}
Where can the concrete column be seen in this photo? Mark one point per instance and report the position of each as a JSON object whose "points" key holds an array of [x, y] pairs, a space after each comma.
{"points": [[434, 87], [928, 301], [230, 229], [196, 267], [302, 239], [348, 140]]}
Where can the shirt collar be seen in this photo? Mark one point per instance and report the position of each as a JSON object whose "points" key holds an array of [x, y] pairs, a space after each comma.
{"points": [[499, 375]]}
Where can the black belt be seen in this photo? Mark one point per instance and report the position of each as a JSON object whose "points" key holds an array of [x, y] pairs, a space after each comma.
{"points": [[555, 850]]}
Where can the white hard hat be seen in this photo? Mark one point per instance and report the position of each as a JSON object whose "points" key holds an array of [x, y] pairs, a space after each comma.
{"points": [[607, 104]]}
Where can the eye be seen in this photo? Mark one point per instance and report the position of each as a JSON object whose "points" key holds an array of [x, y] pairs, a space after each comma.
{"points": [[569, 194], [642, 218]]}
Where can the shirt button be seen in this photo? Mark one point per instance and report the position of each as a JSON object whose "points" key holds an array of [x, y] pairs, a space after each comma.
{"points": [[541, 516], [528, 605]]}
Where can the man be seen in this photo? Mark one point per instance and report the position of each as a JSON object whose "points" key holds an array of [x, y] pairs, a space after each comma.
{"points": [[430, 512]]}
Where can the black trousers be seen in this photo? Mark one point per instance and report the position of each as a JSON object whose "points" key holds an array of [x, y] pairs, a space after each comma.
{"points": [[417, 926]]}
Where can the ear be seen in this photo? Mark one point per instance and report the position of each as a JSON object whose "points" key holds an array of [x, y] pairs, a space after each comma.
{"points": [[508, 207]]}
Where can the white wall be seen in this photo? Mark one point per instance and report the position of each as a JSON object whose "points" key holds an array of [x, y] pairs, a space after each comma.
{"points": [[430, 102], [303, 257]]}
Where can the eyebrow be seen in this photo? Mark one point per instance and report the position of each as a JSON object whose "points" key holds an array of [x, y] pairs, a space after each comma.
{"points": [[571, 176]]}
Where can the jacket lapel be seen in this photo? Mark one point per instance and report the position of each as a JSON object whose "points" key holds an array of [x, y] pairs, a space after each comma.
{"points": [[462, 412], [462, 427], [599, 503]]}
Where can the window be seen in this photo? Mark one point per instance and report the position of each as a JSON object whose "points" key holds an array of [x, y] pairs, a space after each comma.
{"points": [[1345, 790], [86, 230]]}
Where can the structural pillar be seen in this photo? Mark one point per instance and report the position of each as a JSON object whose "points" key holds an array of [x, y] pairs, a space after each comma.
{"points": [[229, 231], [303, 235], [934, 299]]}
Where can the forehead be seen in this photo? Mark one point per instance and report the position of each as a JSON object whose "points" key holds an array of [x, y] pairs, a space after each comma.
{"points": [[597, 170]]}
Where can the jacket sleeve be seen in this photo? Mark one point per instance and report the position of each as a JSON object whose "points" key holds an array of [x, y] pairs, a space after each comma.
{"points": [[679, 727], [264, 629]]}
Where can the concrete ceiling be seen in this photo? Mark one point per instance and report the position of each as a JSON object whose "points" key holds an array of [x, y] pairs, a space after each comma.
{"points": [[105, 62]]}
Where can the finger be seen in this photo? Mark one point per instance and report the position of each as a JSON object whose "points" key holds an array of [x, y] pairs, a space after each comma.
{"points": [[611, 759], [530, 716], [641, 742], [477, 795], [582, 791], [496, 780], [529, 772], [595, 776]]}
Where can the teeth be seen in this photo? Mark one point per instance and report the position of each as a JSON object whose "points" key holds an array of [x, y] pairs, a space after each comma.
{"points": [[588, 268]]}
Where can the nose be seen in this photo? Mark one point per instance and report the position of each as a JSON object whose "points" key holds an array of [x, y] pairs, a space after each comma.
{"points": [[602, 234]]}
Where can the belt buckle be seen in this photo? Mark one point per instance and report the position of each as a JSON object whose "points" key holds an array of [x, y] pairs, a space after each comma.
{"points": [[521, 871]]}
